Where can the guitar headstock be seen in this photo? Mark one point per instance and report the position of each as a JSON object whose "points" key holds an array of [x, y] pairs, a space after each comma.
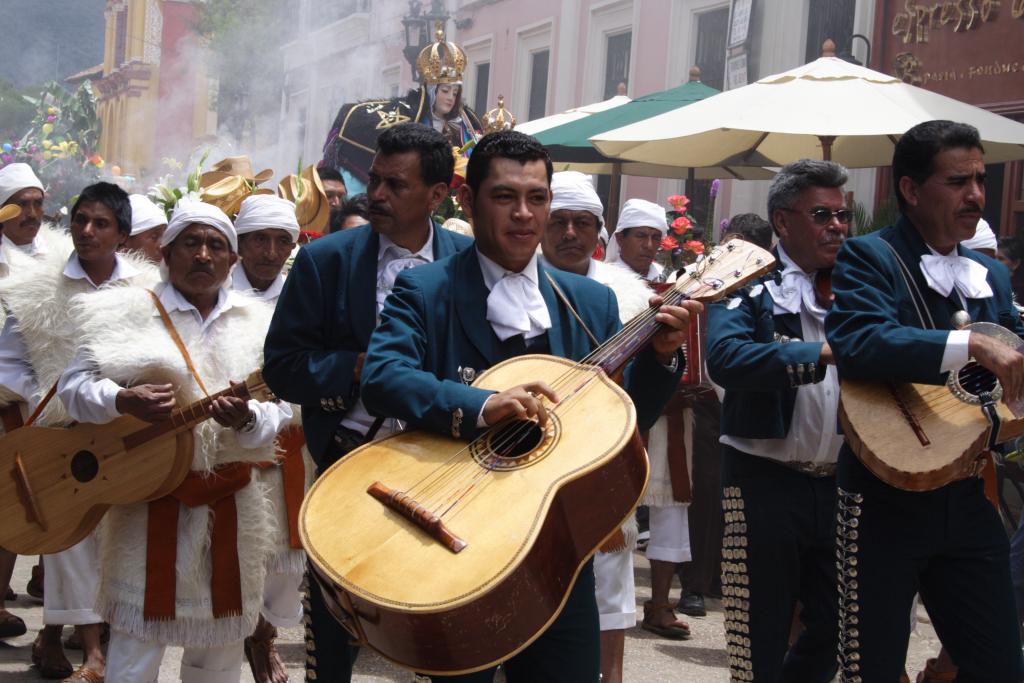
{"points": [[723, 269], [257, 388]]}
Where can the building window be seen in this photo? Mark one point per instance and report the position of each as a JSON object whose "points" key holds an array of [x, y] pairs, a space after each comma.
{"points": [[616, 68], [482, 83], [712, 34], [121, 36], [538, 84], [829, 19]]}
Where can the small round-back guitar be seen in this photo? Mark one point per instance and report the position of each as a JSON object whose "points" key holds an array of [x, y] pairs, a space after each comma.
{"points": [[447, 556], [919, 437]]}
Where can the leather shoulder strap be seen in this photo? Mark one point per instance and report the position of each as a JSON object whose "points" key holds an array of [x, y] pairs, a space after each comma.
{"points": [[171, 330], [572, 310], [915, 294]]}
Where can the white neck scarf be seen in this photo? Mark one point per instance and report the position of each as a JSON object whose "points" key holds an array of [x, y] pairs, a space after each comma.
{"points": [[796, 290], [946, 272], [515, 304]]}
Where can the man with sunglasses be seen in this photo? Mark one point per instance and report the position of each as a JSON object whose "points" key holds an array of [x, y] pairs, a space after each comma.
{"points": [[766, 347], [894, 322]]}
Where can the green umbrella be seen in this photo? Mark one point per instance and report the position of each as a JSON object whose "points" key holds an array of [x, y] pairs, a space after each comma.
{"points": [[570, 149]]}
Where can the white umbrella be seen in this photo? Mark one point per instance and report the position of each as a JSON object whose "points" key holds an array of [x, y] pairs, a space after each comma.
{"points": [[537, 125], [827, 109]]}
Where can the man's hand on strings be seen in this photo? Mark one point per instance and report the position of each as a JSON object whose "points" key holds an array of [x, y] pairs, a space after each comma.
{"points": [[675, 330], [1002, 361], [231, 411], [148, 402], [522, 402]]}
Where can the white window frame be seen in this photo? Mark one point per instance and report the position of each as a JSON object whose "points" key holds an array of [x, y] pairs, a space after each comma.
{"points": [[478, 51], [391, 79], [604, 20], [530, 39]]}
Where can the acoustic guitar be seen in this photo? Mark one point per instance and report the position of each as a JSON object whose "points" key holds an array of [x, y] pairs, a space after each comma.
{"points": [[447, 556], [57, 483], [919, 437]]}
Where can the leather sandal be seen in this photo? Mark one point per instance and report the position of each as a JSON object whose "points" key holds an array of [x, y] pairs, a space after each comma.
{"points": [[74, 641], [263, 651], [34, 587], [676, 630], [11, 626], [83, 675]]}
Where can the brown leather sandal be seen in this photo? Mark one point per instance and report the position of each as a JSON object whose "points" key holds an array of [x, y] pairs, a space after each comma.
{"points": [[263, 656], [49, 669], [677, 630], [11, 626], [83, 675], [930, 675], [34, 587]]}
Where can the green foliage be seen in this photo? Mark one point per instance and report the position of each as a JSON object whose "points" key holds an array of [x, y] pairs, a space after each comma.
{"points": [[16, 112], [865, 223]]}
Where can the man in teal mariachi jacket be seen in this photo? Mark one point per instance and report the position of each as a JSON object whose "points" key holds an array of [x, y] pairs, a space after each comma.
{"points": [[449, 320], [895, 294]]}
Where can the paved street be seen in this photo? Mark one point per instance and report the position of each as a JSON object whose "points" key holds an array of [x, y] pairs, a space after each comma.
{"points": [[648, 658]]}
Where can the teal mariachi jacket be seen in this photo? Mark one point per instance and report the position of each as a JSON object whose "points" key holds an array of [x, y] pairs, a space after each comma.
{"points": [[873, 326], [323, 321], [434, 329]]}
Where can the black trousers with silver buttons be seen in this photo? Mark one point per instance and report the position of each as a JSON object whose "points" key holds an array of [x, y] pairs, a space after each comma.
{"points": [[949, 546], [778, 548]]}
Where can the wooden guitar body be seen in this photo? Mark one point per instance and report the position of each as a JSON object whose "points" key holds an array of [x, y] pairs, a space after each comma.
{"points": [[528, 523], [56, 484]]}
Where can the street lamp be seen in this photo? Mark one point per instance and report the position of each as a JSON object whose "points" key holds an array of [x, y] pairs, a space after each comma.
{"points": [[419, 29]]}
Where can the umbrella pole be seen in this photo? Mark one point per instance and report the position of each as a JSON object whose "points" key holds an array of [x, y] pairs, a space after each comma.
{"points": [[826, 146], [613, 197], [690, 180]]}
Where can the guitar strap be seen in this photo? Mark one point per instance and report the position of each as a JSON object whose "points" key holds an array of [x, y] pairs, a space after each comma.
{"points": [[915, 294], [572, 310], [171, 330]]}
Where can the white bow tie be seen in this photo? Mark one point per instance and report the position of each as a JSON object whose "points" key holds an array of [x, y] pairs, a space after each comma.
{"points": [[943, 273], [796, 290], [389, 273], [515, 306]]}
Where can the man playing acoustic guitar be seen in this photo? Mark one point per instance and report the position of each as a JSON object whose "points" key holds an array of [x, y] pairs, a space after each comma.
{"points": [[446, 321], [897, 293]]}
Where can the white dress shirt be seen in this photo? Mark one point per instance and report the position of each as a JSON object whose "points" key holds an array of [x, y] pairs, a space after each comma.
{"points": [[813, 433], [90, 398], [15, 371], [240, 283], [391, 260]]}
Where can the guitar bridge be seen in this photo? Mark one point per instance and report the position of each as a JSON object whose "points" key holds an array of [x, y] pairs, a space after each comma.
{"points": [[405, 505]]}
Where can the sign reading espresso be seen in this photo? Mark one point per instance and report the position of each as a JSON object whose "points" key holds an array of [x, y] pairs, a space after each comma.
{"points": [[968, 49]]}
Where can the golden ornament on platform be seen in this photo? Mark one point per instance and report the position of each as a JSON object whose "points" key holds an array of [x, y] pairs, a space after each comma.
{"points": [[499, 118]]}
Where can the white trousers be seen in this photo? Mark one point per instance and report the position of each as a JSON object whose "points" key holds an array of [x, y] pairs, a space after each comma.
{"points": [[282, 600], [616, 591], [71, 583], [670, 533], [134, 660]]}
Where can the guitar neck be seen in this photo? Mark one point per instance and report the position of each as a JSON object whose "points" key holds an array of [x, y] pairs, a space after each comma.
{"points": [[615, 353], [184, 418]]}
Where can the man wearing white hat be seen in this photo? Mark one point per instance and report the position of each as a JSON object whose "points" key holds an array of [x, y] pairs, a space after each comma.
{"points": [[267, 232], [20, 187], [148, 225], [638, 234], [36, 345], [570, 237], [167, 565]]}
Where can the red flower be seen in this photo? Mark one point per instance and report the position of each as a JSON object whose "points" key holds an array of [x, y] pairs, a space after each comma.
{"points": [[681, 225], [668, 243], [694, 246], [679, 202]]}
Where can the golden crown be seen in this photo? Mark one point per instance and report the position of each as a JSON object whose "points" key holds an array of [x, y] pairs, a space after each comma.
{"points": [[441, 61], [499, 118]]}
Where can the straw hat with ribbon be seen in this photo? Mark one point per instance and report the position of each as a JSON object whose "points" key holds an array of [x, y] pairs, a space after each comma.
{"points": [[227, 194], [307, 191], [234, 166]]}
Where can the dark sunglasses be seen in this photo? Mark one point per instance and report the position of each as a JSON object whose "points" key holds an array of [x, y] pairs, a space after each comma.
{"points": [[823, 216]]}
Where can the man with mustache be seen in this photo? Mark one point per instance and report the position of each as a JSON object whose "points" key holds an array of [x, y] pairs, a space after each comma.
{"points": [[766, 347], [36, 345], [329, 307], [896, 292], [187, 569], [638, 234], [20, 186]]}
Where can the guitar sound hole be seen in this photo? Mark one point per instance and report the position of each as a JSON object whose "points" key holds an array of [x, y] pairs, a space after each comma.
{"points": [[84, 466], [516, 439], [976, 379]]}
